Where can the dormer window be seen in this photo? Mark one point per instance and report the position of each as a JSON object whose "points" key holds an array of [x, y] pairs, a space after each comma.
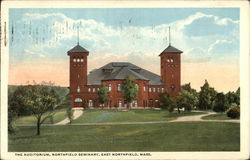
{"points": [[109, 70]]}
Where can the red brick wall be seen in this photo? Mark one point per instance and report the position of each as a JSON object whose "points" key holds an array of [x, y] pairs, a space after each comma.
{"points": [[171, 72], [78, 76]]}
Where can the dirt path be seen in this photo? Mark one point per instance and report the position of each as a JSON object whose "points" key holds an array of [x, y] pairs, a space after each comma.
{"points": [[76, 114], [199, 118]]}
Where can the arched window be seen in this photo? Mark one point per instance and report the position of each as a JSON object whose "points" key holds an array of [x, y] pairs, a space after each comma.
{"points": [[74, 59], [93, 89], [171, 60], [144, 88], [89, 89], [78, 89], [78, 100], [78, 59], [82, 59]]}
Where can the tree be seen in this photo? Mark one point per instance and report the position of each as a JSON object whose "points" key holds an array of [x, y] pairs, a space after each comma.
{"points": [[70, 115], [220, 103], [12, 115], [187, 99], [102, 94], [129, 89], [165, 100], [206, 96], [38, 99]]}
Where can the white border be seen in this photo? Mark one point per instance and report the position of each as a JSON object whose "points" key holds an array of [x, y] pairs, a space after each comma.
{"points": [[244, 71]]}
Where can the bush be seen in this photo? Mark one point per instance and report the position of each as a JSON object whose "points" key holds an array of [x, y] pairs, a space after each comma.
{"points": [[233, 111]]}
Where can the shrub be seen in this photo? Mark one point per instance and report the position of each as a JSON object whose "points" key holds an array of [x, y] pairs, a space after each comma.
{"points": [[233, 111]]}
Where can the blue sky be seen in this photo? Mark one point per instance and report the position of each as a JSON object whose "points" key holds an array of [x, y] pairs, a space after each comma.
{"points": [[206, 35]]}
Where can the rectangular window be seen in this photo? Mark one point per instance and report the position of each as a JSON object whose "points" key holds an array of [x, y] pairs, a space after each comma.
{"points": [[162, 90], [110, 87], [98, 89], [119, 87], [93, 89], [158, 89], [154, 89], [149, 89], [89, 89], [144, 88]]}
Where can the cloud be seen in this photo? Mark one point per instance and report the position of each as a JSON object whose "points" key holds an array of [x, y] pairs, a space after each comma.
{"points": [[135, 41]]}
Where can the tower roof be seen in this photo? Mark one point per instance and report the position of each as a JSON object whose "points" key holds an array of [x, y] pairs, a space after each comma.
{"points": [[78, 49], [171, 49]]}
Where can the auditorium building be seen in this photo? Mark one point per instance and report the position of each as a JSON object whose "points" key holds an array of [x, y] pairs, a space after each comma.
{"points": [[84, 86]]}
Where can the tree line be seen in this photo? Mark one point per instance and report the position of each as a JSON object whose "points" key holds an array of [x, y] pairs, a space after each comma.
{"points": [[206, 99]]}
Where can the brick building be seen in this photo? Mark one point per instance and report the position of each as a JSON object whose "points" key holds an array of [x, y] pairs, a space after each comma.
{"points": [[84, 88]]}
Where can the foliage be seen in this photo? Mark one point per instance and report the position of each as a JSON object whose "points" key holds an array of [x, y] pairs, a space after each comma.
{"points": [[233, 97], [37, 99], [187, 99], [233, 111], [220, 103], [129, 89], [164, 100], [12, 116], [206, 96], [102, 94], [15, 98], [70, 115]]}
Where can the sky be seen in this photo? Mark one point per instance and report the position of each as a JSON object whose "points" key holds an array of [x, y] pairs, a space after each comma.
{"points": [[209, 38]]}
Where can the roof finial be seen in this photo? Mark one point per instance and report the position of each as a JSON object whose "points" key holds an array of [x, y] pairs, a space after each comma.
{"points": [[169, 36], [77, 35]]}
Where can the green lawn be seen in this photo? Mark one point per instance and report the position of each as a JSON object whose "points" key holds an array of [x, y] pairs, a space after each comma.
{"points": [[97, 116], [176, 136], [59, 116], [218, 116]]}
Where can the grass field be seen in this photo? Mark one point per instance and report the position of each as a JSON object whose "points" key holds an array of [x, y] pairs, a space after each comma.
{"points": [[96, 116], [218, 116], [177, 136], [59, 116]]}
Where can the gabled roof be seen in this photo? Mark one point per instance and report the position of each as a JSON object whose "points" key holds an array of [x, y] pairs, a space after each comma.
{"points": [[171, 49], [78, 49], [120, 70]]}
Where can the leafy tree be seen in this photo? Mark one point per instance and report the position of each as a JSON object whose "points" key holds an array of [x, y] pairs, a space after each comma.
{"points": [[102, 94], [129, 89], [70, 115], [233, 97], [187, 99], [16, 101], [237, 99], [220, 103], [165, 100], [206, 96], [12, 115], [37, 99]]}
